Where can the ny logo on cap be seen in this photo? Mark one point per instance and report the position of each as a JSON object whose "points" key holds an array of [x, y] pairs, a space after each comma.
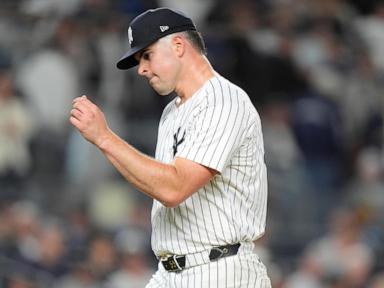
{"points": [[164, 28], [130, 37]]}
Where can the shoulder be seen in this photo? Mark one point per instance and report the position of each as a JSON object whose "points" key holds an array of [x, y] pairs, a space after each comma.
{"points": [[220, 87], [222, 92]]}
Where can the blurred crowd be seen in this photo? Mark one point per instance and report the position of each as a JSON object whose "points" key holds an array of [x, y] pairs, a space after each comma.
{"points": [[315, 72]]}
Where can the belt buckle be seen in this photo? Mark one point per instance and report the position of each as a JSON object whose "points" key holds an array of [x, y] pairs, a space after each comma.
{"points": [[171, 264]]}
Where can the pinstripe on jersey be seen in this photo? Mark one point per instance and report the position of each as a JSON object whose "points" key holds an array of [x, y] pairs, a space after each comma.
{"points": [[220, 128]]}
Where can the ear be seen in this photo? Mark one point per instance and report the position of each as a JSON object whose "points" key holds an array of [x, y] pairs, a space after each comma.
{"points": [[179, 45]]}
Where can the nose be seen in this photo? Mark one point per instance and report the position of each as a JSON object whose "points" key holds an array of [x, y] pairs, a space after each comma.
{"points": [[143, 69]]}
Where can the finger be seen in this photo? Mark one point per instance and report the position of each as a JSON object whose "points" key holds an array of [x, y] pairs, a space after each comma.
{"points": [[76, 113], [87, 103], [83, 103], [81, 107], [78, 105], [77, 99], [75, 122]]}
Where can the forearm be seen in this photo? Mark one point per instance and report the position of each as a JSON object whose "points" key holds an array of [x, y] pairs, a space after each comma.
{"points": [[155, 179], [168, 183]]}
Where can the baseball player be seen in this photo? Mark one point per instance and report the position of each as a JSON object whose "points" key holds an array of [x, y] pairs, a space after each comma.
{"points": [[208, 181]]}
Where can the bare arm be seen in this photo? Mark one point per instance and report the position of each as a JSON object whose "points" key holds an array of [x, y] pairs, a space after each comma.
{"points": [[170, 184]]}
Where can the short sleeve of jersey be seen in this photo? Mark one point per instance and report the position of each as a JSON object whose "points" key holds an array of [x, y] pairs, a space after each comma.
{"points": [[216, 127]]}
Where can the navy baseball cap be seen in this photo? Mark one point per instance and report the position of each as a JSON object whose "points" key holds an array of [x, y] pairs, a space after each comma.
{"points": [[150, 26]]}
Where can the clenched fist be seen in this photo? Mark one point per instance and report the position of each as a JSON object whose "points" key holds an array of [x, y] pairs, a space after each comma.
{"points": [[89, 120]]}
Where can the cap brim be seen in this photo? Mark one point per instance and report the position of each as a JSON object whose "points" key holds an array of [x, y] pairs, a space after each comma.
{"points": [[128, 60]]}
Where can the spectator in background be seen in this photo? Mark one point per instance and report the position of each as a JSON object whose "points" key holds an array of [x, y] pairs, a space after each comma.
{"points": [[363, 103], [261, 73], [377, 281], [51, 7], [316, 124], [16, 130], [290, 218], [52, 249], [21, 247], [101, 257], [371, 29], [91, 267], [134, 265], [26, 225], [197, 10], [305, 276], [366, 188], [49, 79], [80, 276], [20, 280], [134, 7], [365, 192], [341, 256]]}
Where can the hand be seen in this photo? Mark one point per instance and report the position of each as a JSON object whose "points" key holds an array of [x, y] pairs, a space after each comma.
{"points": [[89, 120]]}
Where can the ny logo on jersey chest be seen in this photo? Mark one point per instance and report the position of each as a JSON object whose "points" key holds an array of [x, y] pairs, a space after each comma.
{"points": [[177, 140]]}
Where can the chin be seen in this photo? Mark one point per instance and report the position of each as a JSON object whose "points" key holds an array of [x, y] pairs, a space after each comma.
{"points": [[162, 92]]}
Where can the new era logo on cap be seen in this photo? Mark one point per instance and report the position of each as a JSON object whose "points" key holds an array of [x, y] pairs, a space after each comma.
{"points": [[150, 26], [164, 28]]}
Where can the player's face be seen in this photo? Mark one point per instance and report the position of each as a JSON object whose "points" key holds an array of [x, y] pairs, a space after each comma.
{"points": [[159, 64]]}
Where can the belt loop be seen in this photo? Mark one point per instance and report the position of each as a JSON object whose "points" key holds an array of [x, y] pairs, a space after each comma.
{"points": [[217, 252], [176, 258], [223, 251], [173, 263]]}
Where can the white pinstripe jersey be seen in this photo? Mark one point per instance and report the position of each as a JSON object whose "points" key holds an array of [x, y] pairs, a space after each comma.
{"points": [[220, 128]]}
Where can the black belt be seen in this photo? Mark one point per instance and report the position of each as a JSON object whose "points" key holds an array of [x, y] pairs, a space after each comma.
{"points": [[175, 263]]}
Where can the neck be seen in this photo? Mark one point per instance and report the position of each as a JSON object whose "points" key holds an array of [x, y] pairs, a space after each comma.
{"points": [[196, 72]]}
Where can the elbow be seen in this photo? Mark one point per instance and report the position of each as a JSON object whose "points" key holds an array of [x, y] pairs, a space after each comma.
{"points": [[172, 199], [170, 204]]}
